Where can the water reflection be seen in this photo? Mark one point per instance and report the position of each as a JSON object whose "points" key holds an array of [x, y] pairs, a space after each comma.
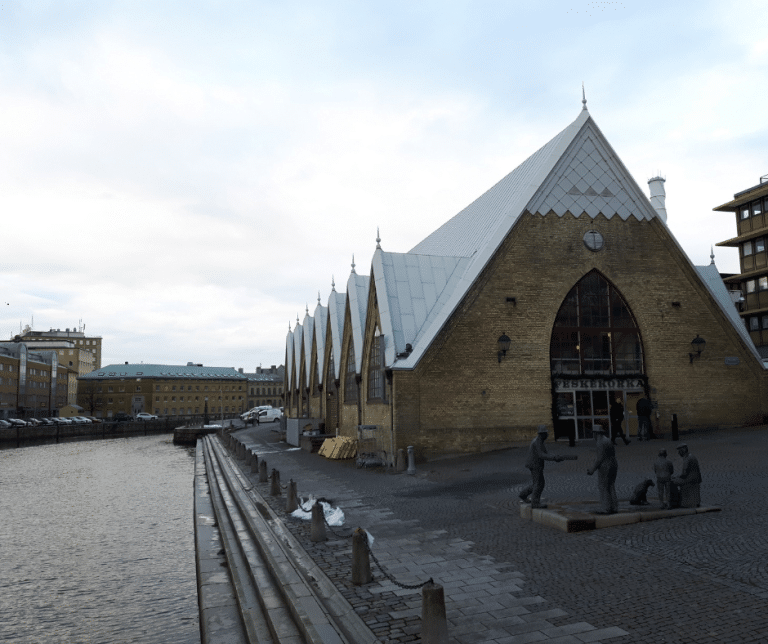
{"points": [[97, 542]]}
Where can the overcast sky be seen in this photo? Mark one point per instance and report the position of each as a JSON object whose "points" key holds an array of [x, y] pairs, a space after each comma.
{"points": [[185, 177]]}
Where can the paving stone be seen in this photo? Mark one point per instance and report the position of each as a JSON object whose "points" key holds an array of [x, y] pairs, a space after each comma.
{"points": [[699, 578]]}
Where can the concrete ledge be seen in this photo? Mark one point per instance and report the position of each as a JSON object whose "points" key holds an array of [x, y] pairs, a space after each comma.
{"points": [[578, 517]]}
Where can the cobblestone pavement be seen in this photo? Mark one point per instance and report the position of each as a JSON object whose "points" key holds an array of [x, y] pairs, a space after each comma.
{"points": [[689, 579]]}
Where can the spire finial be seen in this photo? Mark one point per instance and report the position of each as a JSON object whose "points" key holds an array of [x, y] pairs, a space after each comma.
{"points": [[306, 309], [333, 283], [583, 97], [712, 255], [289, 326], [378, 238], [297, 319], [318, 298], [353, 262]]}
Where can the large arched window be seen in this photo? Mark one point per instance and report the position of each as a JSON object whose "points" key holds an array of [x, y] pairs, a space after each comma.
{"points": [[595, 332]]}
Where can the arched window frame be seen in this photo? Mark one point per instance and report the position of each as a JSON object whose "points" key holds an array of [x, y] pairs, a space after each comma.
{"points": [[595, 332]]}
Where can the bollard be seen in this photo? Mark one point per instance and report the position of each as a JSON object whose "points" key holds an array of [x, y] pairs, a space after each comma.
{"points": [[262, 471], [254, 463], [434, 626], [400, 461], [318, 524], [411, 461], [274, 489], [361, 564], [292, 504]]}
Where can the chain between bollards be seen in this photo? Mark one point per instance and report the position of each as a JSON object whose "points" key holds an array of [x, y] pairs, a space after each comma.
{"points": [[390, 577]]}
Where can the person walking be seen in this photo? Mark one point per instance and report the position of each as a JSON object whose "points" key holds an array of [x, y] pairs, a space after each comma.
{"points": [[616, 414]]}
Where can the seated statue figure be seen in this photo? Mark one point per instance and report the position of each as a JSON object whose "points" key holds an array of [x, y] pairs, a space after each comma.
{"points": [[689, 479]]}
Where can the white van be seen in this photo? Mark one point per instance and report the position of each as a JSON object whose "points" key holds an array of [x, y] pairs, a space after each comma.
{"points": [[270, 415]]}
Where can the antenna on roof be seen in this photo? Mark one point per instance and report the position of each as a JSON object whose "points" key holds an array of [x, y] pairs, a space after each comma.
{"points": [[353, 262], [583, 97], [333, 283], [378, 238], [712, 255]]}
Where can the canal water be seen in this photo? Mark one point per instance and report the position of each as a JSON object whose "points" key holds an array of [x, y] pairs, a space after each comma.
{"points": [[97, 543]]}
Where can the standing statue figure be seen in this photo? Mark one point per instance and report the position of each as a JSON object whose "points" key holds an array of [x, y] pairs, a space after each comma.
{"points": [[689, 479], [644, 409], [537, 454], [617, 417], [606, 468], [664, 469]]}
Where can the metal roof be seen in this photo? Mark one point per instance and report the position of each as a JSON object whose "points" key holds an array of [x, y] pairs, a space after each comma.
{"points": [[337, 305], [711, 278], [321, 323], [162, 371], [411, 290], [357, 296]]}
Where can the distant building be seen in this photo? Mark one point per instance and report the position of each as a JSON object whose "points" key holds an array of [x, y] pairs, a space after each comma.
{"points": [[32, 383], [265, 386], [78, 361], [90, 343], [163, 390], [750, 207]]}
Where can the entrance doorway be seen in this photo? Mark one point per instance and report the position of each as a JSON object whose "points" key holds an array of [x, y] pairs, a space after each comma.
{"points": [[578, 409]]}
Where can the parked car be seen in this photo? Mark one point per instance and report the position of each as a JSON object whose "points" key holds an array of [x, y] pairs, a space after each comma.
{"points": [[46, 421], [142, 415], [93, 419], [17, 422], [34, 422], [4, 424], [270, 415], [121, 417], [65, 421]]}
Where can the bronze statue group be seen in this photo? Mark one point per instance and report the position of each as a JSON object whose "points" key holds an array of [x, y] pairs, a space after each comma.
{"points": [[673, 491]]}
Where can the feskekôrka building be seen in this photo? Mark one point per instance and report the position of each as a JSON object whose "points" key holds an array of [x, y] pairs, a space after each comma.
{"points": [[557, 291]]}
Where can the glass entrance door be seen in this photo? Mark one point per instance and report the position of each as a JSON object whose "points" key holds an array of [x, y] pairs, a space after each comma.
{"points": [[579, 410]]}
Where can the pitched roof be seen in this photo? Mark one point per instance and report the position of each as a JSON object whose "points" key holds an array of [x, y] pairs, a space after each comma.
{"points": [[714, 283], [357, 296], [321, 320], [162, 371], [309, 327], [337, 303], [410, 290]]}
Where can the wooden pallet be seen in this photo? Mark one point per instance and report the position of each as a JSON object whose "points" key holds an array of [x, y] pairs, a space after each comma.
{"points": [[338, 448]]}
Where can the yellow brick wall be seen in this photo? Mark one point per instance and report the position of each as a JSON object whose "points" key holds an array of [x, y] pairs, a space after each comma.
{"points": [[461, 398]]}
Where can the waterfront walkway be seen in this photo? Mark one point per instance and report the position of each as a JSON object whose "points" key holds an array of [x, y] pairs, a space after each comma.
{"points": [[696, 579]]}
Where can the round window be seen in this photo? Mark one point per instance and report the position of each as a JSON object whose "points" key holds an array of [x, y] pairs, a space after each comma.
{"points": [[594, 240]]}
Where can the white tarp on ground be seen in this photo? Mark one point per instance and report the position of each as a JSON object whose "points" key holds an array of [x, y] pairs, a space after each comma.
{"points": [[333, 516]]}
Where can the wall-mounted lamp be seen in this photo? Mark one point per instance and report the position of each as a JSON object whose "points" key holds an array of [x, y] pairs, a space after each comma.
{"points": [[698, 345], [504, 341]]}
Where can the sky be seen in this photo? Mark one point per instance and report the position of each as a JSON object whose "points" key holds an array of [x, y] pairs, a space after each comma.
{"points": [[186, 179]]}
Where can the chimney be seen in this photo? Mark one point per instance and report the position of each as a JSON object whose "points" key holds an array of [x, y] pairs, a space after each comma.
{"points": [[658, 196], [240, 369]]}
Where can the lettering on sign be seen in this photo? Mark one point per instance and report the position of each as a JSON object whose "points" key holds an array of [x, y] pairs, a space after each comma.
{"points": [[598, 383]]}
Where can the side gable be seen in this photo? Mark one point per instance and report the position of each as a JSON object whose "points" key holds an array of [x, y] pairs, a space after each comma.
{"points": [[357, 303], [308, 328], [321, 321], [337, 304], [410, 290]]}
